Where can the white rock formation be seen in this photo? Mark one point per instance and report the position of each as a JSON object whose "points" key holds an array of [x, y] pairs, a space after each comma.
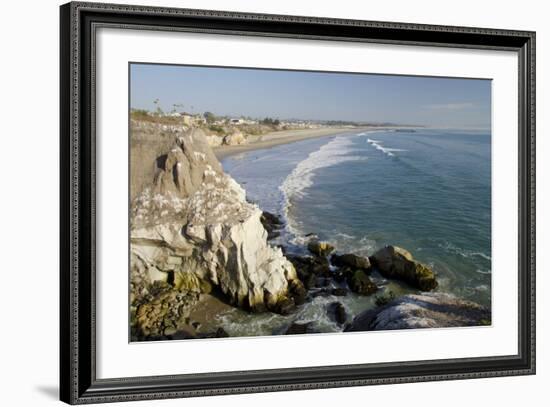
{"points": [[234, 139], [213, 140], [193, 226]]}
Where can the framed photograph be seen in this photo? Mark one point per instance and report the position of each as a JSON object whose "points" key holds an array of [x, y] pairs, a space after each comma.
{"points": [[255, 203]]}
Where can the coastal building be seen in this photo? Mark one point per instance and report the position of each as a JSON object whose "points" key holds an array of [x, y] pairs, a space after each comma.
{"points": [[192, 119]]}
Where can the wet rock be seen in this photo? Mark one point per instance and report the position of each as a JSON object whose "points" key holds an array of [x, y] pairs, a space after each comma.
{"points": [[339, 292], [340, 275], [319, 248], [272, 224], [337, 312], [285, 306], [306, 265], [395, 262], [297, 292], [350, 260], [428, 310], [360, 283], [310, 281]]}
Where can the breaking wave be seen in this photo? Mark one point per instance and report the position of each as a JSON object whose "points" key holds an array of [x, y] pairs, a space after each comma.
{"points": [[378, 145], [334, 152]]}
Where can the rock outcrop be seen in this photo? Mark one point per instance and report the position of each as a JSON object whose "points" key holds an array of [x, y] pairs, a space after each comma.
{"points": [[272, 224], [319, 248], [234, 139], [165, 313], [310, 269], [360, 283], [427, 310], [395, 262], [214, 140], [337, 312], [350, 260], [192, 228]]}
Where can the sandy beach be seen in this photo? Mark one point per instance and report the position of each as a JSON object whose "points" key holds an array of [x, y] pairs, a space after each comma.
{"points": [[283, 137]]}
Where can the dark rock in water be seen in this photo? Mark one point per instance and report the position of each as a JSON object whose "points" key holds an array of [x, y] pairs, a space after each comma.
{"points": [[282, 247], [321, 267], [350, 260], [428, 310], [271, 219], [360, 283], [395, 262], [384, 299], [298, 292], [310, 281], [306, 265], [320, 292], [339, 292], [298, 328], [285, 306], [337, 312], [319, 248], [271, 224], [339, 275]]}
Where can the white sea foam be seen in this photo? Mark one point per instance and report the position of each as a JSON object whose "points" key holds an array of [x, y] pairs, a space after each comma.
{"points": [[463, 252], [334, 152], [378, 145]]}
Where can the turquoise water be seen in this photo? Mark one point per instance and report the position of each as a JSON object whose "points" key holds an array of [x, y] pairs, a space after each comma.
{"points": [[427, 191]]}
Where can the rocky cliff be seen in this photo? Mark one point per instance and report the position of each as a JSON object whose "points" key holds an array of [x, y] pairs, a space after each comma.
{"points": [[192, 229]]}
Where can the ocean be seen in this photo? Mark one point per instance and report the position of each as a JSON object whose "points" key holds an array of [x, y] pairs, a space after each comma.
{"points": [[428, 191]]}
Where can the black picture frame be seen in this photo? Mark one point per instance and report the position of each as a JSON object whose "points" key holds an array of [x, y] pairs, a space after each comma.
{"points": [[78, 382]]}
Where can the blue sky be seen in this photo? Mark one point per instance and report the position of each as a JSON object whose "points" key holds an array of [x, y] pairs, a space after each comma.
{"points": [[437, 102]]}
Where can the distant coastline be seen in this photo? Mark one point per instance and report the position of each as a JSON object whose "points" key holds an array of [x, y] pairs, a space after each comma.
{"points": [[277, 138]]}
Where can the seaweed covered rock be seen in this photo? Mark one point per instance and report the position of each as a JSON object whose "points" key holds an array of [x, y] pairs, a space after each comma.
{"points": [[308, 265], [319, 248], [395, 262], [165, 313], [350, 260], [429, 310], [360, 283]]}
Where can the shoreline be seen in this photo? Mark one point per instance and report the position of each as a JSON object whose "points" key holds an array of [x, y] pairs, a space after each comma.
{"points": [[278, 138]]}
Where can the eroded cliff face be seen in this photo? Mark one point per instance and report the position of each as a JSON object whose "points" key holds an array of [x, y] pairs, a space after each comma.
{"points": [[192, 228]]}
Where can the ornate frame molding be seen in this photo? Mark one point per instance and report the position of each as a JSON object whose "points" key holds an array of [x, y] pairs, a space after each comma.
{"points": [[78, 380]]}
